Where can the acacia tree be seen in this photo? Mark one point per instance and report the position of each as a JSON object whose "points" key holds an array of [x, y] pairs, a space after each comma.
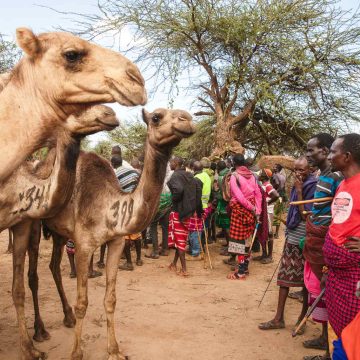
{"points": [[9, 55], [270, 72]]}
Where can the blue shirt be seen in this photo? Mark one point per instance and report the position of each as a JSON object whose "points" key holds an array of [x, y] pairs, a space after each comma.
{"points": [[327, 185]]}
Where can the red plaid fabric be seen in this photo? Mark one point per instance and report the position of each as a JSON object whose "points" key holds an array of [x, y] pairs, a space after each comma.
{"points": [[195, 224], [344, 273], [242, 222], [178, 231]]}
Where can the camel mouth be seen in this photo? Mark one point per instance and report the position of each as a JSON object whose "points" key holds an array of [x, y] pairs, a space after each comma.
{"points": [[124, 99], [109, 125], [184, 133]]}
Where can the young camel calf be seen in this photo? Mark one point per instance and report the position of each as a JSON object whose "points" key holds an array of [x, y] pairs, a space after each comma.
{"points": [[100, 212]]}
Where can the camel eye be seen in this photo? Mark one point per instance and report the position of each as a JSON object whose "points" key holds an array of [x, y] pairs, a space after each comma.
{"points": [[73, 56], [156, 118]]}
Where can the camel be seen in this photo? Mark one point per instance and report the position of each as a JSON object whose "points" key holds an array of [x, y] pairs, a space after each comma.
{"points": [[61, 74], [39, 192], [99, 212]]}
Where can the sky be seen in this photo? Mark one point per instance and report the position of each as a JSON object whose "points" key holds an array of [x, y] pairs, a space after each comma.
{"points": [[33, 14]]}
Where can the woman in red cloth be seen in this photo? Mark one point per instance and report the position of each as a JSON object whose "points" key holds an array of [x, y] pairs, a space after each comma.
{"points": [[245, 204]]}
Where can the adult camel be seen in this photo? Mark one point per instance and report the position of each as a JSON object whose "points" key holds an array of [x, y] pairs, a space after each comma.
{"points": [[99, 212], [60, 75], [39, 192]]}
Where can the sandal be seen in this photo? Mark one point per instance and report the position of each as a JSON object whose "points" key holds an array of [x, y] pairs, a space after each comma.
{"points": [[316, 357], [301, 331], [152, 256], [183, 273], [235, 276], [164, 253], [267, 260], [172, 267], [271, 325], [258, 258], [229, 262], [297, 295], [317, 344], [139, 262]]}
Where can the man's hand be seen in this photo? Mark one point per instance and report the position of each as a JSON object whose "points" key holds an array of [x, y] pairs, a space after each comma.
{"points": [[258, 219], [353, 245]]}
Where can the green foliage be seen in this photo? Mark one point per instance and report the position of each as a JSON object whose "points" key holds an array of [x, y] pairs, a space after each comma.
{"points": [[271, 72], [9, 55], [103, 148], [131, 137], [201, 143]]}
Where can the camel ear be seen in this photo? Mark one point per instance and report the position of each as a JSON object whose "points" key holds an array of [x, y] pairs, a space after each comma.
{"points": [[28, 41], [145, 116]]}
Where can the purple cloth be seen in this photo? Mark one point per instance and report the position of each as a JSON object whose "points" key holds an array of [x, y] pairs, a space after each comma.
{"points": [[294, 217]]}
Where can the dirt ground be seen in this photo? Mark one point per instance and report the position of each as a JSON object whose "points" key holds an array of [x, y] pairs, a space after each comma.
{"points": [[161, 315]]}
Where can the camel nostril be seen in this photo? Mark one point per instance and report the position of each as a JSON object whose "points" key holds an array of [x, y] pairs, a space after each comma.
{"points": [[135, 75]]}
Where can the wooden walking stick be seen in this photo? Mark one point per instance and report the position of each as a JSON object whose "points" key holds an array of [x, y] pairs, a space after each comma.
{"points": [[207, 245], [308, 313], [314, 200], [267, 288], [201, 248], [253, 238]]}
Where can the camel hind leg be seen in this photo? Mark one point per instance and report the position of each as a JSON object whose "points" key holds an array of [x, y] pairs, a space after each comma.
{"points": [[21, 233], [40, 334], [115, 249], [56, 257]]}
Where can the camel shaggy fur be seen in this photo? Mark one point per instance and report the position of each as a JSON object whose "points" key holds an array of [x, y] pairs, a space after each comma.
{"points": [[100, 212], [60, 75]]}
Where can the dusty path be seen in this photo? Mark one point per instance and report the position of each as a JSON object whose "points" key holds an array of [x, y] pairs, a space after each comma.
{"points": [[160, 315]]}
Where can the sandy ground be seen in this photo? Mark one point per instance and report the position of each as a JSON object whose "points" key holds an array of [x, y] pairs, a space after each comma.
{"points": [[160, 315]]}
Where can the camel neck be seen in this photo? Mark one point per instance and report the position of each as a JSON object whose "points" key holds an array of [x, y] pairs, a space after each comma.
{"points": [[136, 209], [26, 122]]}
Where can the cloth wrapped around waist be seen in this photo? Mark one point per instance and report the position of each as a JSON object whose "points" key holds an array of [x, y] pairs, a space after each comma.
{"points": [[313, 249]]}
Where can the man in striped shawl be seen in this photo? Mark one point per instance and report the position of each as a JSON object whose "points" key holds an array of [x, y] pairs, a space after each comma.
{"points": [[291, 271]]}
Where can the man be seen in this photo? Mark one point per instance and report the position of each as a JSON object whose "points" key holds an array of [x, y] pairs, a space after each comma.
{"points": [[186, 200], [245, 204], [278, 182], [161, 218], [341, 248], [202, 174], [292, 263], [128, 179], [222, 216], [271, 197], [317, 225]]}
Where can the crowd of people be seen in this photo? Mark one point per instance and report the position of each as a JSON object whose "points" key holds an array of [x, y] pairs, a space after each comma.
{"points": [[248, 205]]}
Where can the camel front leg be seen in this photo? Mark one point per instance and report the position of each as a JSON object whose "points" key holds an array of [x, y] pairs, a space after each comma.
{"points": [[82, 260], [56, 257], [115, 249], [21, 233], [10, 244], [33, 250]]}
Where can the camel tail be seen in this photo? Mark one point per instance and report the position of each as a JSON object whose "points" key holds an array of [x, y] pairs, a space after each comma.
{"points": [[47, 233]]}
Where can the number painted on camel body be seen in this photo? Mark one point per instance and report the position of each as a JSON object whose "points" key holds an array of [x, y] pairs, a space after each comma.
{"points": [[126, 209]]}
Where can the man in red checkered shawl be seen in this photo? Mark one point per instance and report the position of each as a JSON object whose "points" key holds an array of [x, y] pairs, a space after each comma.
{"points": [[342, 243], [245, 204]]}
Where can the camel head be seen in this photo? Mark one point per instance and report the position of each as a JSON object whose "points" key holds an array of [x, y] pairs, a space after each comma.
{"points": [[167, 127], [91, 120], [67, 70]]}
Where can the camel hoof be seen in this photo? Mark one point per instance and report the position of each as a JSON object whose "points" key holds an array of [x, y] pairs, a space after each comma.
{"points": [[33, 354], [69, 320], [41, 335], [118, 356]]}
